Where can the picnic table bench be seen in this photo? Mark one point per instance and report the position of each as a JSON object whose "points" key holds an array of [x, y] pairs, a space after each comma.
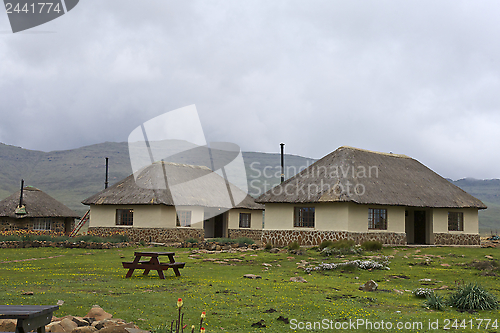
{"points": [[153, 264], [29, 317]]}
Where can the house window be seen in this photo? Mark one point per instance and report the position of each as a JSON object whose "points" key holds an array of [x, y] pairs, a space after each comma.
{"points": [[183, 218], [455, 221], [42, 224], [124, 217], [245, 219], [377, 219], [304, 217]]}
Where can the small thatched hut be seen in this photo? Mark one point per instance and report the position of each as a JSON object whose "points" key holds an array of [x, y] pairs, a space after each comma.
{"points": [[38, 211], [169, 201], [364, 195]]}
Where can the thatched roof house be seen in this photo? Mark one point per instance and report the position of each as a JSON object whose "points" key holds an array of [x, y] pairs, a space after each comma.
{"points": [[175, 201], [39, 211], [357, 192]]}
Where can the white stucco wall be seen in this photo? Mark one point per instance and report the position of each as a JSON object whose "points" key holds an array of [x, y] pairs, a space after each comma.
{"points": [[358, 218], [440, 219], [255, 218]]}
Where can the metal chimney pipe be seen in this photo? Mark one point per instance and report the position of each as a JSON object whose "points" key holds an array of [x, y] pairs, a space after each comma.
{"points": [[21, 196], [282, 162], [106, 181]]}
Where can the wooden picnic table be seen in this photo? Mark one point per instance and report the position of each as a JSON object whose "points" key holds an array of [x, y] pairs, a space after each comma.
{"points": [[29, 317], [153, 264]]}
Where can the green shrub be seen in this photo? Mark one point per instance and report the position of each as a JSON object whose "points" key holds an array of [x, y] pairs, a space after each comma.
{"points": [[473, 297], [10, 238], [242, 241], [42, 238], [372, 246], [435, 302], [268, 246], [192, 240], [222, 241], [294, 246], [325, 243], [343, 244]]}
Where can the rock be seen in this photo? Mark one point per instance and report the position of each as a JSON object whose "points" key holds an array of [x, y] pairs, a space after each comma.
{"points": [[84, 329], [298, 279], [8, 325], [55, 327], [252, 276], [369, 286], [80, 321], [29, 293], [121, 328], [68, 324], [488, 257], [398, 291], [267, 265], [98, 313], [274, 250]]}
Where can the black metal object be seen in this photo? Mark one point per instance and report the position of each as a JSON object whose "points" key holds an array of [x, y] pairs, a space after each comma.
{"points": [[282, 162], [21, 196], [106, 181]]}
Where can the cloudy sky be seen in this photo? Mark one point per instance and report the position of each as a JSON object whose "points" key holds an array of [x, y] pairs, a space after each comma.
{"points": [[420, 78]]}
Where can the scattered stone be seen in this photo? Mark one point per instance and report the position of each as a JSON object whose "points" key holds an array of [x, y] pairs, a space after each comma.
{"points": [[274, 250], [443, 288], [267, 265], [27, 293], [398, 291], [425, 280], [59, 302], [445, 265], [252, 276], [488, 257], [298, 279], [369, 286]]}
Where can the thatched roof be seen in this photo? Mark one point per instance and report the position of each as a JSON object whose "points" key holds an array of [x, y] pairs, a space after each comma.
{"points": [[188, 185], [37, 204], [365, 177]]}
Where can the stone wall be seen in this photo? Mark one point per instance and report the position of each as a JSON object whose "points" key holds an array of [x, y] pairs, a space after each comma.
{"points": [[159, 235], [315, 237], [456, 239], [253, 234]]}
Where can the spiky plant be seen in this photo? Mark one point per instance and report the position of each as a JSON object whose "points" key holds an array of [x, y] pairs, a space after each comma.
{"points": [[473, 297], [435, 302]]}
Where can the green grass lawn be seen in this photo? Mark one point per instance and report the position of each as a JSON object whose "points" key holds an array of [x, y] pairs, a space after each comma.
{"points": [[82, 278]]}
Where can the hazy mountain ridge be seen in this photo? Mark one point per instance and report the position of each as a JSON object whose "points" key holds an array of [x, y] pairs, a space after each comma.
{"points": [[71, 176]]}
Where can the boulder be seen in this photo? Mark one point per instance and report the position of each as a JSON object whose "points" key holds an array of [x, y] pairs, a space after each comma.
{"points": [[81, 322], [369, 286], [98, 313], [68, 324], [8, 325]]}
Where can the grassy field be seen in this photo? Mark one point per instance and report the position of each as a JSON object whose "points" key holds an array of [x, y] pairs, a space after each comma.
{"points": [[82, 278]]}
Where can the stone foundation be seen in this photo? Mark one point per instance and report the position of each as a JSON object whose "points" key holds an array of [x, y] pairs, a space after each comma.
{"points": [[456, 239], [315, 237], [253, 234], [158, 235]]}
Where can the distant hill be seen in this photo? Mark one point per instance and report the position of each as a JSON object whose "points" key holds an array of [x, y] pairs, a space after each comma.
{"points": [[71, 176]]}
